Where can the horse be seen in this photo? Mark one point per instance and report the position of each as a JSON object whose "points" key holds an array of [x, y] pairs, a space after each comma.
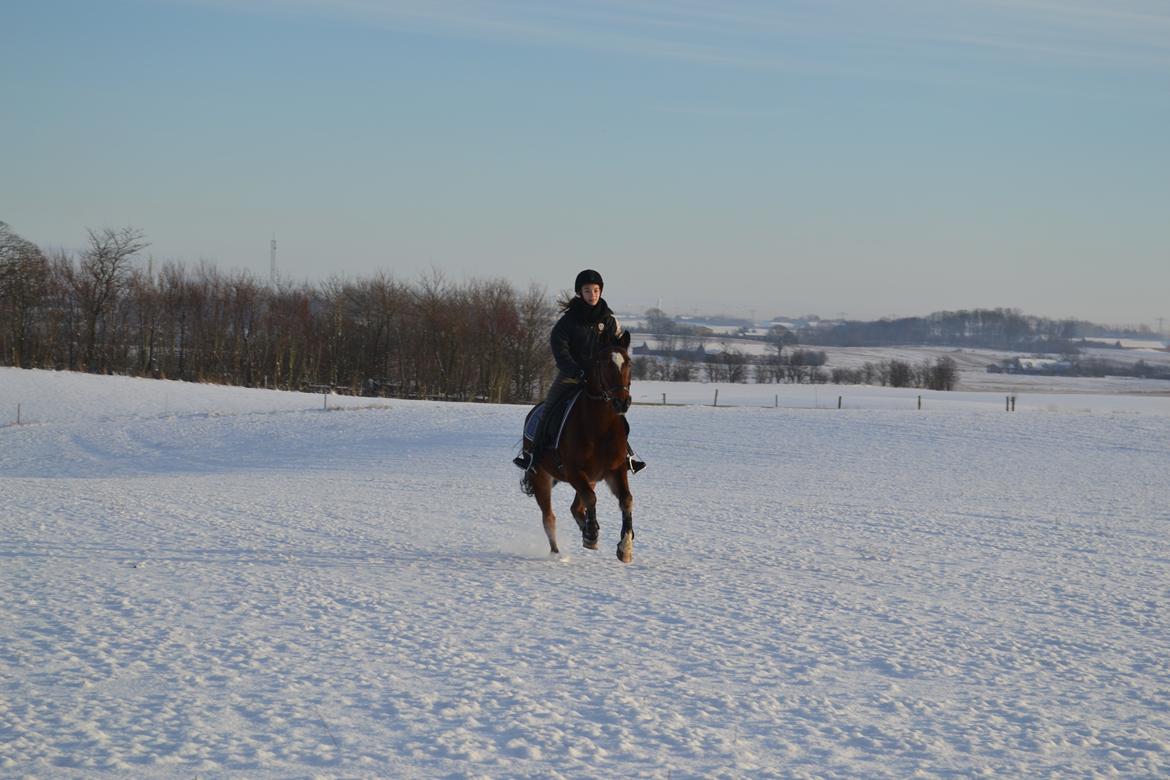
{"points": [[592, 449]]}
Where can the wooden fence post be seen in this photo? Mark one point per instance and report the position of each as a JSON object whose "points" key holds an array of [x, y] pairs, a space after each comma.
{"points": [[716, 397]]}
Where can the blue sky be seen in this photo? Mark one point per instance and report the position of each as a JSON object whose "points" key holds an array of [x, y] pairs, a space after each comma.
{"points": [[866, 158]]}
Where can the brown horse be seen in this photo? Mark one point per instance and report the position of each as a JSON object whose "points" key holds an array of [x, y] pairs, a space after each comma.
{"points": [[592, 449]]}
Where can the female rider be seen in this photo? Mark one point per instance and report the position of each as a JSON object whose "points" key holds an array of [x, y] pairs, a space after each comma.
{"points": [[575, 340]]}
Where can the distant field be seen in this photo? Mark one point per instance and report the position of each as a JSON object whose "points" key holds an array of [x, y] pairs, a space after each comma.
{"points": [[972, 363]]}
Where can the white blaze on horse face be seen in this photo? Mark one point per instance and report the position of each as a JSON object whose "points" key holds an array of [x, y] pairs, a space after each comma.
{"points": [[618, 360]]}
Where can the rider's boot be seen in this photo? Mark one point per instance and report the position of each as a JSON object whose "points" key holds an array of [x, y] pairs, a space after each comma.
{"points": [[527, 458]]}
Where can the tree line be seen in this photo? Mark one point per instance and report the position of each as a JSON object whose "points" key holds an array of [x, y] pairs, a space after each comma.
{"points": [[797, 367], [986, 328], [104, 310]]}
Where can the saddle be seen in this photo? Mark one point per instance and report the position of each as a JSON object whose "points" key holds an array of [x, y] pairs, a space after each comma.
{"points": [[560, 416]]}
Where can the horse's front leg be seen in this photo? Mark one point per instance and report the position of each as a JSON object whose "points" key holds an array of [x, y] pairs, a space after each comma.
{"points": [[584, 511], [619, 483]]}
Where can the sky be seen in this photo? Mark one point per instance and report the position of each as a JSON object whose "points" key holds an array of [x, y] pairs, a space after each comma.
{"points": [[836, 157]]}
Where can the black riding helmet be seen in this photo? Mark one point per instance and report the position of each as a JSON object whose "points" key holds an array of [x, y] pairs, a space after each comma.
{"points": [[588, 276]]}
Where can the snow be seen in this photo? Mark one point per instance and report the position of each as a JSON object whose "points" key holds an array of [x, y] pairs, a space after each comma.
{"points": [[973, 359], [204, 581], [1079, 395], [1141, 344]]}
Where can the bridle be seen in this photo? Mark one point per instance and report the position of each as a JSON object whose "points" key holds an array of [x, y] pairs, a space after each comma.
{"points": [[607, 394]]}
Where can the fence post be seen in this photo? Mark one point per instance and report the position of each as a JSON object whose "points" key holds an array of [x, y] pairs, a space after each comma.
{"points": [[716, 397], [324, 401], [1007, 403], [1013, 403], [919, 403], [839, 401], [18, 414], [664, 399]]}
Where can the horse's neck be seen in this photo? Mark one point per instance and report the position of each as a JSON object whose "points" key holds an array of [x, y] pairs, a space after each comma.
{"points": [[600, 412]]}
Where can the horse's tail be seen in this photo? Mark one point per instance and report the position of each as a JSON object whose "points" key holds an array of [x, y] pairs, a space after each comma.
{"points": [[526, 486]]}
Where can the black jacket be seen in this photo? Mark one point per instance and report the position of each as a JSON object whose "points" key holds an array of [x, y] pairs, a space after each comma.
{"points": [[577, 334]]}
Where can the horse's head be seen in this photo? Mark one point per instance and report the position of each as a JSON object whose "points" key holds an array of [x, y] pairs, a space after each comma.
{"points": [[610, 377]]}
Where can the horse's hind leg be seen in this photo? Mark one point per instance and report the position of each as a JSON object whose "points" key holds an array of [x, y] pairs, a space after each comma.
{"points": [[542, 489], [619, 484], [584, 509]]}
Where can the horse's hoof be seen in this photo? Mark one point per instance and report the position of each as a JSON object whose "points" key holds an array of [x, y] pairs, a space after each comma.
{"points": [[590, 533], [625, 549]]}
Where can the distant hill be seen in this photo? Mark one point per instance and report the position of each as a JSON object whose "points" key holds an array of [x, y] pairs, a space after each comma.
{"points": [[1007, 329]]}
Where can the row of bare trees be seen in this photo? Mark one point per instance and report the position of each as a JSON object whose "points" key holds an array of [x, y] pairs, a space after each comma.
{"points": [[106, 311], [798, 367], [941, 374]]}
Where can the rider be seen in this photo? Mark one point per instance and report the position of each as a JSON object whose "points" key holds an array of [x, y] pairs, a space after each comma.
{"points": [[575, 340]]}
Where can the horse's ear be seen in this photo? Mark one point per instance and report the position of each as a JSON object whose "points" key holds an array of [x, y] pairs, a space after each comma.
{"points": [[624, 340]]}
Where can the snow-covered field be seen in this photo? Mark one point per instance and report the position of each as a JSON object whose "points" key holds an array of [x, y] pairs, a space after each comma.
{"points": [[1032, 393], [206, 581], [972, 365]]}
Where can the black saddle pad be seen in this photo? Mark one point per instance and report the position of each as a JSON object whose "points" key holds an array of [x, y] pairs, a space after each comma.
{"points": [[558, 419]]}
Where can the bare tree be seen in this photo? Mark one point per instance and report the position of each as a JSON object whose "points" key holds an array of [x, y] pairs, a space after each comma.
{"points": [[493, 308], [682, 370], [943, 374], [901, 374], [145, 300], [481, 339], [532, 369], [178, 295], [244, 303], [24, 284], [105, 265]]}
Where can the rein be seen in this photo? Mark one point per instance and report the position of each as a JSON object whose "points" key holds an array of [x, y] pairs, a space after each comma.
{"points": [[607, 394]]}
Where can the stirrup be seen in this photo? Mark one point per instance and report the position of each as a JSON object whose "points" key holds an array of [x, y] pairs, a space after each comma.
{"points": [[523, 460], [635, 464]]}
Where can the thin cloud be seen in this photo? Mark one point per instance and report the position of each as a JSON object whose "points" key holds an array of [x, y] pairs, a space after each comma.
{"points": [[801, 36], [1067, 33], [1091, 14]]}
